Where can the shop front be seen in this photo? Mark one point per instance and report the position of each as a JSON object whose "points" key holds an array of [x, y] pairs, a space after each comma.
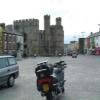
{"points": [[98, 51]]}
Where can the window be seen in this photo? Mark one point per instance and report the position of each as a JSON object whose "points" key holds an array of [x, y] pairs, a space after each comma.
{"points": [[6, 62], [12, 61], [5, 37], [10, 38], [3, 63], [5, 46], [16, 27], [25, 37]]}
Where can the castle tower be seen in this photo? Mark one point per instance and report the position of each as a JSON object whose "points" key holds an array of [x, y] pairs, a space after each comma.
{"points": [[46, 22], [59, 36], [47, 27], [47, 33], [58, 21]]}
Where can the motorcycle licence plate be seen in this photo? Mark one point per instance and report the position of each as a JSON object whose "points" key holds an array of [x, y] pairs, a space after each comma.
{"points": [[45, 87]]}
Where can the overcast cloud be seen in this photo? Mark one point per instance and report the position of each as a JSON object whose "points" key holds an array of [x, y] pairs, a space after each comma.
{"points": [[77, 15]]}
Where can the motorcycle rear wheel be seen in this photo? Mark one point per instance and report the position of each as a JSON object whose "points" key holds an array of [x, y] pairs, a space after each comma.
{"points": [[49, 96]]}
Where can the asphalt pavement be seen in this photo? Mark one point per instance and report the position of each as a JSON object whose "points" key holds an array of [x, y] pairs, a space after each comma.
{"points": [[82, 79]]}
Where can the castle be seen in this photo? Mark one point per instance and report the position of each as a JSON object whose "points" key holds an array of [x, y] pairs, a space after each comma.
{"points": [[47, 42]]}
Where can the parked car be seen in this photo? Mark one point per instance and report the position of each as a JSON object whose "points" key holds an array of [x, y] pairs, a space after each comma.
{"points": [[69, 53], [9, 70], [74, 55]]}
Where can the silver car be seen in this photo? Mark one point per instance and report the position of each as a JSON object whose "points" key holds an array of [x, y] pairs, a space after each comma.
{"points": [[9, 70]]}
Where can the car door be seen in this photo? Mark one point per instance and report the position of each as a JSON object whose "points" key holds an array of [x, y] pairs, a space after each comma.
{"points": [[3, 70], [1, 79], [12, 65]]}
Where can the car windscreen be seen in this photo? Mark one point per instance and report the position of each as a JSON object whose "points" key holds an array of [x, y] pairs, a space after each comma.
{"points": [[12, 61]]}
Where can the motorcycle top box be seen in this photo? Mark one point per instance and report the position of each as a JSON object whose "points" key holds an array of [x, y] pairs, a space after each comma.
{"points": [[42, 70]]}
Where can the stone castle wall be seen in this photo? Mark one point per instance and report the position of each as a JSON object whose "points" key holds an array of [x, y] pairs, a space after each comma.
{"points": [[47, 42], [29, 28]]}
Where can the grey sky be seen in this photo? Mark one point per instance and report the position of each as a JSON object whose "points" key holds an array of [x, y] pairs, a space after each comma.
{"points": [[77, 15]]}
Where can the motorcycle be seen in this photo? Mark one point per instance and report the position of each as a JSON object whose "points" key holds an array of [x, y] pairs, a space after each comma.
{"points": [[50, 79]]}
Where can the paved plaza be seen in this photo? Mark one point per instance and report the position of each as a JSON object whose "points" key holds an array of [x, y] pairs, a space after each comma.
{"points": [[82, 79]]}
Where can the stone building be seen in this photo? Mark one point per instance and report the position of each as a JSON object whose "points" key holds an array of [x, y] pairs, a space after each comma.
{"points": [[29, 28], [52, 38], [47, 42], [2, 27], [13, 44], [20, 45], [9, 40]]}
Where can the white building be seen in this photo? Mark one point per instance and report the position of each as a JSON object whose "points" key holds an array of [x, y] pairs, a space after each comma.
{"points": [[97, 42], [97, 39], [20, 44], [73, 46]]}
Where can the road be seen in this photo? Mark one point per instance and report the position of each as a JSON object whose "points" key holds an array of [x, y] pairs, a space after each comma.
{"points": [[82, 75]]}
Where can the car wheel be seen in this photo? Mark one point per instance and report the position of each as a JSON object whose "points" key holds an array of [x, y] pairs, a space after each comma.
{"points": [[11, 81]]}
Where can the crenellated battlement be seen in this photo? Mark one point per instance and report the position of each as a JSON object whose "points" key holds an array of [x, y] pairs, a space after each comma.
{"points": [[27, 22], [58, 18], [58, 21], [47, 16]]}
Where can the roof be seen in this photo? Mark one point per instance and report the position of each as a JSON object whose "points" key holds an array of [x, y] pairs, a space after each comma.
{"points": [[97, 34], [94, 34], [5, 56]]}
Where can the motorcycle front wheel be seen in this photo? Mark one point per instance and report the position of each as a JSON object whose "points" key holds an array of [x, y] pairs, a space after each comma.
{"points": [[49, 96]]}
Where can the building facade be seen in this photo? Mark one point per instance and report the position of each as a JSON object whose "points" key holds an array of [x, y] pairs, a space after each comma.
{"points": [[7, 39], [20, 44], [97, 43], [10, 41], [2, 26], [92, 44], [87, 45], [81, 45]]}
